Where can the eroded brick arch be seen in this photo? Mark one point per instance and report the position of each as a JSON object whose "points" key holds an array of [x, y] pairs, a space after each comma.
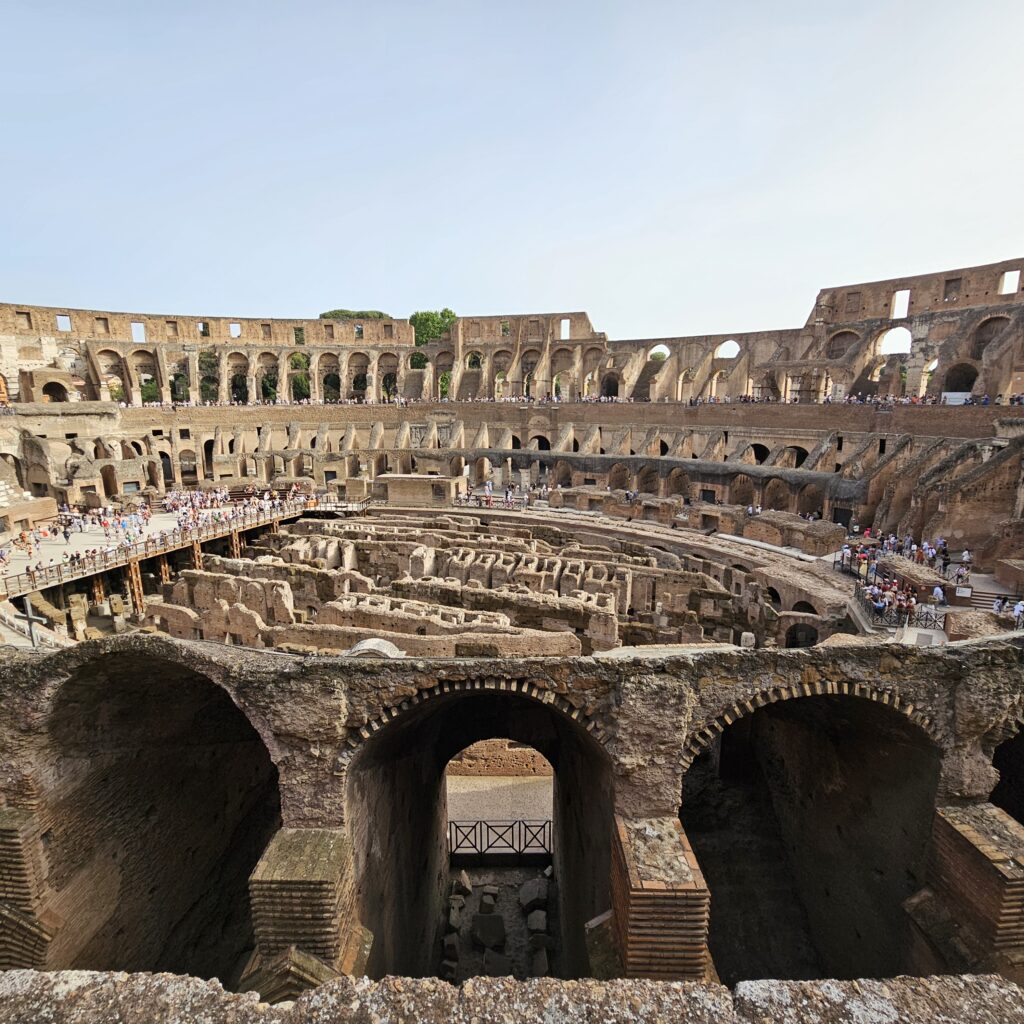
{"points": [[699, 741], [446, 687]]}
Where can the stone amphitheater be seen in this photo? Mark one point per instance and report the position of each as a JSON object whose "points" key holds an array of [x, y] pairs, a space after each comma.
{"points": [[277, 594]]}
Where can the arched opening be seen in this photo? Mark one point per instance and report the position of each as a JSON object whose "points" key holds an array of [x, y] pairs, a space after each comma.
{"points": [[678, 483], [398, 821], [894, 341], [801, 634], [960, 378], [839, 344], [741, 490], [208, 459], [239, 389], [332, 387], [483, 470], [776, 495], [209, 389], [773, 598], [179, 388], [189, 471], [108, 475], [811, 820], [793, 457], [167, 467], [168, 798], [1008, 760], [986, 333], [474, 361], [810, 499], [760, 452], [516, 442], [609, 386], [728, 350], [662, 448], [561, 475], [647, 480], [54, 392], [805, 606], [618, 477], [540, 443]]}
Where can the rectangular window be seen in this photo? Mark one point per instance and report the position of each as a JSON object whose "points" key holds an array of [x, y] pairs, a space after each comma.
{"points": [[138, 330], [265, 328], [359, 330], [158, 433], [951, 289], [63, 322], [881, 446], [389, 330], [839, 443], [1009, 283], [70, 437], [534, 329], [24, 320], [102, 325], [900, 304], [171, 328], [184, 433], [853, 302], [566, 326], [203, 328], [329, 331], [235, 330], [506, 328]]}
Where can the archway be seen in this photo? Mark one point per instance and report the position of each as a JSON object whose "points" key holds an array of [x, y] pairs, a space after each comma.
{"points": [[54, 392], [805, 606], [610, 386], [239, 389], [741, 490], [810, 499], [801, 634], [108, 475], [618, 477], [167, 467], [776, 495], [678, 483], [397, 818], [562, 474], [647, 480], [728, 350], [986, 333], [168, 798], [894, 341], [1008, 760], [540, 443], [839, 344], [811, 821], [960, 378], [332, 387]]}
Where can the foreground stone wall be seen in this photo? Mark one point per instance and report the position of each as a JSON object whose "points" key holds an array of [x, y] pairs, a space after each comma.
{"points": [[83, 997]]}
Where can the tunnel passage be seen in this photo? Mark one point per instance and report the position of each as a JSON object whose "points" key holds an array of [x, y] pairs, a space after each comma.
{"points": [[811, 820], [163, 799], [397, 817], [1008, 760]]}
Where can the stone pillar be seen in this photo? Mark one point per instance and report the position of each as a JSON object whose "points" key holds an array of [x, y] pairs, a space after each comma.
{"points": [[223, 383], [250, 386], [660, 903], [305, 918], [193, 377], [284, 390]]}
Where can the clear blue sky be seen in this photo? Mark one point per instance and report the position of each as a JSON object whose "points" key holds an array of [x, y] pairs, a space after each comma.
{"points": [[670, 167]]}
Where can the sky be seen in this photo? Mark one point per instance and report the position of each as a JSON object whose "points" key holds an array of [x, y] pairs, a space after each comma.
{"points": [[672, 168]]}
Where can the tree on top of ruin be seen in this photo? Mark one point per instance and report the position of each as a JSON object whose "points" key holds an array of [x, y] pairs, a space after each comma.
{"points": [[354, 314], [430, 324]]}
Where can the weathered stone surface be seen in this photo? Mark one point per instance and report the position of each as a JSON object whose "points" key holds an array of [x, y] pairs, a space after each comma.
{"points": [[539, 967], [487, 903], [537, 921], [533, 895], [488, 930], [496, 965], [451, 946], [461, 885], [453, 922]]}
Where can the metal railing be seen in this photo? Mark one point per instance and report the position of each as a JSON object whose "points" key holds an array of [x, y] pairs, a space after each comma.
{"points": [[922, 615], [499, 840], [32, 580]]}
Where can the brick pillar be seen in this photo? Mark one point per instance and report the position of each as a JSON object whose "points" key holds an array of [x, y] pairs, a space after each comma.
{"points": [[303, 899], [660, 902], [24, 937]]}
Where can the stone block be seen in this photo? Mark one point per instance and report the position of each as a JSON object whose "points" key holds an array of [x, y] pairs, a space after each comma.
{"points": [[454, 921], [458, 902], [533, 895], [496, 965], [549, 871], [461, 885], [539, 964], [488, 931], [490, 890], [487, 903], [537, 921]]}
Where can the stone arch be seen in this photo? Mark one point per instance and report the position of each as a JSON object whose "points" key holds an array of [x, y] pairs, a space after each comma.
{"points": [[610, 385], [700, 738], [647, 480], [679, 483], [396, 809], [55, 392], [741, 490], [618, 477], [561, 474], [810, 499], [165, 779], [840, 343], [776, 495], [806, 607], [960, 378], [542, 443], [984, 334]]}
